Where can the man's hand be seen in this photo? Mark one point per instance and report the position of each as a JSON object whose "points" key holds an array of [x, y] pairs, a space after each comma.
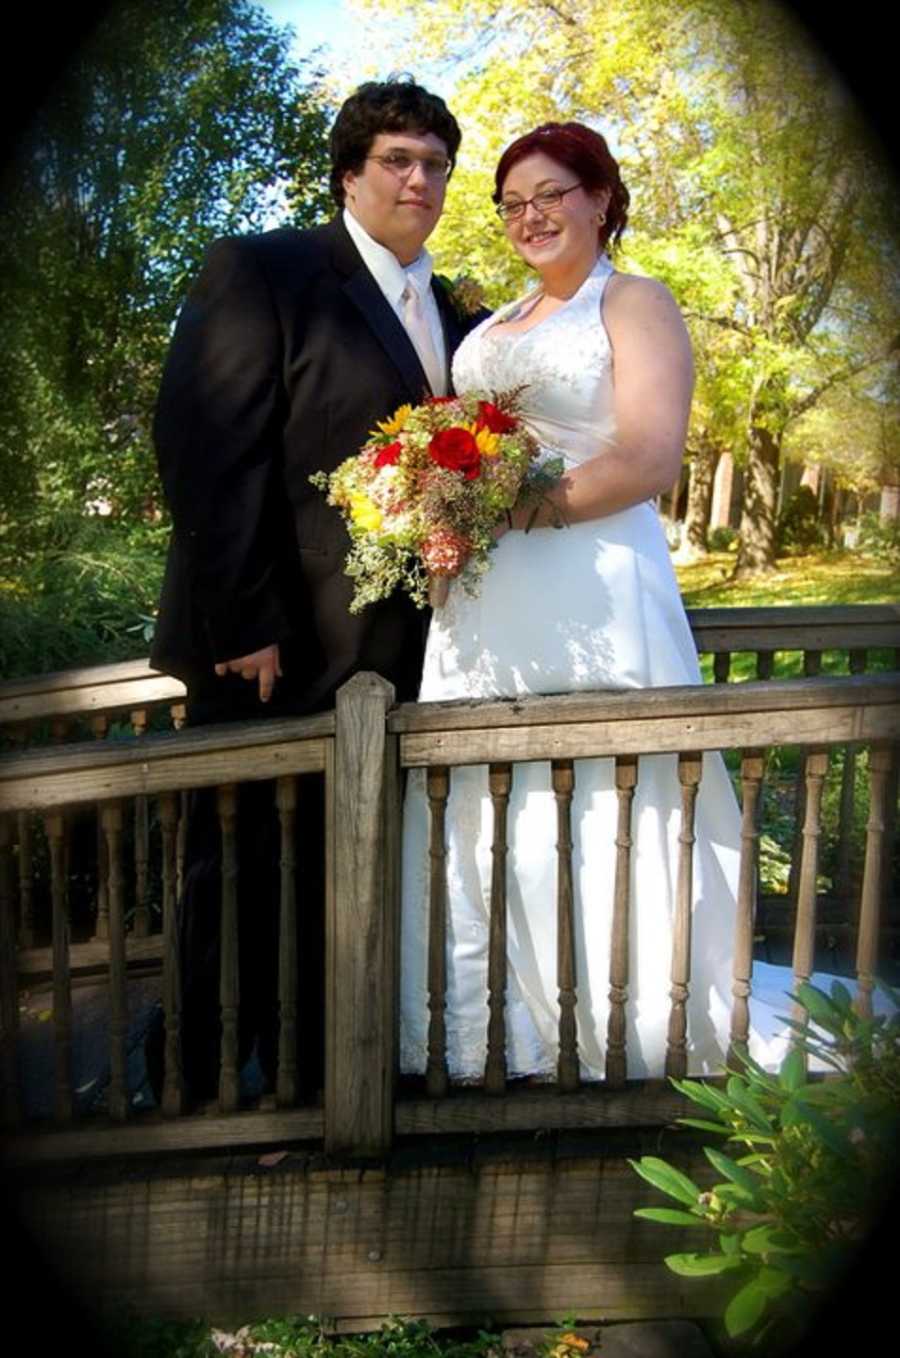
{"points": [[264, 665]]}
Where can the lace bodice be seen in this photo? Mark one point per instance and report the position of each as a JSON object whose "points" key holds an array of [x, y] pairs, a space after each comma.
{"points": [[566, 361]]}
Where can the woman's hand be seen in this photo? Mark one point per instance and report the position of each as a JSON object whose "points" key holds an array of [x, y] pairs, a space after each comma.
{"points": [[438, 589]]}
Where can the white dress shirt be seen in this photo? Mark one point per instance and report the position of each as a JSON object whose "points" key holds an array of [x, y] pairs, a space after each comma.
{"points": [[392, 276]]}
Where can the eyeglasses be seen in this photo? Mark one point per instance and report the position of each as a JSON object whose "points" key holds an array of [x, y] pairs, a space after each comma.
{"points": [[544, 201], [401, 163]]}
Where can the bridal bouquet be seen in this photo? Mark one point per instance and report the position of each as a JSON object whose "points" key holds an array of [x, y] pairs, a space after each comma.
{"points": [[423, 497]]}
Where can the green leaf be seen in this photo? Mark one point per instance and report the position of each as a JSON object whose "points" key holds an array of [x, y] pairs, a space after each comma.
{"points": [[729, 1242], [701, 1265], [819, 1007], [670, 1216], [744, 1178], [745, 1309], [840, 995], [768, 1239], [704, 1126], [744, 1101], [705, 1095], [793, 1070], [666, 1178]]}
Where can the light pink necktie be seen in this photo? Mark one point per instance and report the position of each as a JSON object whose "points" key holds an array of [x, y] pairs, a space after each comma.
{"points": [[419, 331]]}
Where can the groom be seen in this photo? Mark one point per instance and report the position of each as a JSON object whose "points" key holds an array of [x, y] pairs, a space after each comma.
{"points": [[290, 348]]}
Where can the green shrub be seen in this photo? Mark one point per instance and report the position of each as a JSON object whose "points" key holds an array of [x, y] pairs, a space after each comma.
{"points": [[722, 540], [789, 1215], [799, 526], [880, 538], [85, 604]]}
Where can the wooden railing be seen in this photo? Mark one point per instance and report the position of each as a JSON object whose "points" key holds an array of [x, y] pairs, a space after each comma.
{"points": [[361, 750]]}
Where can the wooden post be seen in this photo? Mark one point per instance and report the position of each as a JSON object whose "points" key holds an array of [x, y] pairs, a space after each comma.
{"points": [[178, 713], [286, 1084], [62, 995], [844, 868], [10, 1105], [765, 664], [26, 881], [805, 928], [111, 819], [616, 1053], [721, 666], [563, 776], [880, 760], [173, 1083], [812, 666], [500, 781], [141, 842], [436, 1076], [752, 768], [690, 768], [229, 974], [100, 726], [361, 925]]}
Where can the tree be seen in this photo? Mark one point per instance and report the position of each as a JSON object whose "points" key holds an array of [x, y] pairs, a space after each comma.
{"points": [[744, 156], [175, 123]]}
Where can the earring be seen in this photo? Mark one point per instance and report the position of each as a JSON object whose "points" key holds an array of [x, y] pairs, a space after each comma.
{"points": [[601, 219]]}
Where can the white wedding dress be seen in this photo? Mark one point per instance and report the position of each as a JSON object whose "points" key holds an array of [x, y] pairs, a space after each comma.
{"points": [[591, 606]]}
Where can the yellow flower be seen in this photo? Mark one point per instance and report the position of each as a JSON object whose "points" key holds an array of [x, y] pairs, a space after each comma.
{"points": [[488, 443], [397, 421], [365, 514]]}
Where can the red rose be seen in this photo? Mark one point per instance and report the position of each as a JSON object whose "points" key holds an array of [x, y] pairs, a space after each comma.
{"points": [[456, 450], [388, 455], [440, 400], [490, 417]]}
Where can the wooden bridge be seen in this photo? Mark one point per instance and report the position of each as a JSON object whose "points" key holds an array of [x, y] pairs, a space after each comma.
{"points": [[398, 1196]]}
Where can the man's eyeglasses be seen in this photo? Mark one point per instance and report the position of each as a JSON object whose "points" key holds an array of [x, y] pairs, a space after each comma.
{"points": [[544, 201], [401, 163]]}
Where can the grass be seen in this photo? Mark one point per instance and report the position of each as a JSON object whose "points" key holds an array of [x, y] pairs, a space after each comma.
{"points": [[816, 578]]}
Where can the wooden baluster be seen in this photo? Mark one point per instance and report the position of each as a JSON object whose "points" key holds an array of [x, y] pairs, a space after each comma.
{"points": [[721, 666], [178, 712], [765, 664], [690, 768], [844, 867], [286, 1084], [173, 1083], [55, 827], [616, 1053], [880, 763], [100, 727], [141, 925], [812, 666], [10, 1106], [112, 819], [563, 778], [229, 980], [26, 880], [752, 769], [499, 780], [438, 787], [816, 767]]}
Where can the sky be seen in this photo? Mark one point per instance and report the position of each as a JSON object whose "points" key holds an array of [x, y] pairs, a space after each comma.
{"points": [[354, 47]]}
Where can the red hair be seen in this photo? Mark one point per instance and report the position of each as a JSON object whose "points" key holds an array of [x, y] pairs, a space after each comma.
{"points": [[587, 155]]}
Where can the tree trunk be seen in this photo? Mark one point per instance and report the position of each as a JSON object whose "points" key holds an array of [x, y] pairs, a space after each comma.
{"points": [[757, 545], [699, 506]]}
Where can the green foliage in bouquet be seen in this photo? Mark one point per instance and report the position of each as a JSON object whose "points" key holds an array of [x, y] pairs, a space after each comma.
{"points": [[789, 1215]]}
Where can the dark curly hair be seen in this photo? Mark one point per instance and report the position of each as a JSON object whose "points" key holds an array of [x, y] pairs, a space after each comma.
{"points": [[587, 155], [394, 105]]}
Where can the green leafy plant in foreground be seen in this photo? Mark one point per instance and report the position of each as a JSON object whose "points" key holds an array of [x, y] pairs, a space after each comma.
{"points": [[789, 1214]]}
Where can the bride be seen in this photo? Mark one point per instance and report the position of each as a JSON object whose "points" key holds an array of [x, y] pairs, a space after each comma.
{"points": [[607, 363]]}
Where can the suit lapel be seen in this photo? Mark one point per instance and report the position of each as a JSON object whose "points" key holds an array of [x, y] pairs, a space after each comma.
{"points": [[362, 290]]}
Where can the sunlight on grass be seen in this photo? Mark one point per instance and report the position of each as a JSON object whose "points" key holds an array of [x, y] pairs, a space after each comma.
{"points": [[818, 578]]}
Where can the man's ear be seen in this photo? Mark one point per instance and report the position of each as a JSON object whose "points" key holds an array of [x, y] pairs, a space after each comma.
{"points": [[348, 183]]}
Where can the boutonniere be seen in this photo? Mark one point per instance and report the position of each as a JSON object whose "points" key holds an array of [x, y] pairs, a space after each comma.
{"points": [[464, 294]]}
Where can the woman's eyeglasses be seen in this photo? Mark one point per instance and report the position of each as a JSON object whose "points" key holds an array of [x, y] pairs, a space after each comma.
{"points": [[544, 201]]}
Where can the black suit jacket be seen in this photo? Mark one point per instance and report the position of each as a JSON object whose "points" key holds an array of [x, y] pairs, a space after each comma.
{"points": [[285, 356]]}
